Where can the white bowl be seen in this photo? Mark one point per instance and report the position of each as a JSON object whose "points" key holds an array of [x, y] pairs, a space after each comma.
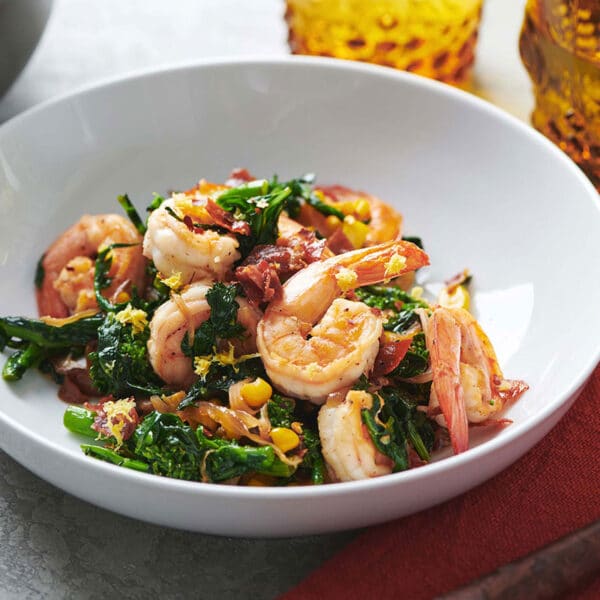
{"points": [[483, 190]]}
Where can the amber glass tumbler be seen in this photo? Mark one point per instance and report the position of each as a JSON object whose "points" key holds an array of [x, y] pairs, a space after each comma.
{"points": [[560, 47], [434, 38]]}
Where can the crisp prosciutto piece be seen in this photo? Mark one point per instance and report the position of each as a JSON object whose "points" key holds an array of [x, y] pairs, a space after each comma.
{"points": [[267, 266], [390, 355], [260, 281], [225, 219]]}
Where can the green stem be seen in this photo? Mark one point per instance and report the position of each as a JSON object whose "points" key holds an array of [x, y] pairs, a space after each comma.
{"points": [[277, 469], [20, 361], [260, 187], [116, 459], [132, 213], [77, 333], [417, 442], [80, 420], [324, 208]]}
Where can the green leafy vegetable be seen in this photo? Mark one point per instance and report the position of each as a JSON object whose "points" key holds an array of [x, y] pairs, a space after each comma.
{"points": [[400, 305], [281, 411], [35, 341], [313, 459], [115, 458], [281, 414], [260, 204], [132, 213], [77, 333], [120, 364], [226, 459], [415, 361], [168, 445], [221, 324], [394, 422], [164, 445], [219, 378], [362, 383]]}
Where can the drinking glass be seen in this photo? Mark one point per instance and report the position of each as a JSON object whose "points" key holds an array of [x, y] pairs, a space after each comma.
{"points": [[560, 47], [434, 38]]}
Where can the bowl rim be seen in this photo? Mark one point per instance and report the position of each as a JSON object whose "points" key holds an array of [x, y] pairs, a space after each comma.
{"points": [[474, 455]]}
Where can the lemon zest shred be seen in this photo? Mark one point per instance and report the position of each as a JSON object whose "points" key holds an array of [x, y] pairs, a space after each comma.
{"points": [[115, 409], [59, 322], [202, 363], [184, 205], [395, 265], [346, 279], [136, 317], [174, 282]]}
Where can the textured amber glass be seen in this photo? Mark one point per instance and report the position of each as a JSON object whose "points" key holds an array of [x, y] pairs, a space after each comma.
{"points": [[560, 47], [434, 38]]}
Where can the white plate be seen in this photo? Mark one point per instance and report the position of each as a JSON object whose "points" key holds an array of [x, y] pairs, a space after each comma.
{"points": [[483, 190]]}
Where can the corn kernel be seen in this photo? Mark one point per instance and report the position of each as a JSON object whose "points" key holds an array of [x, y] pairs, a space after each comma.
{"points": [[362, 209], [256, 393], [355, 231], [123, 297], [285, 439], [347, 207], [332, 222]]}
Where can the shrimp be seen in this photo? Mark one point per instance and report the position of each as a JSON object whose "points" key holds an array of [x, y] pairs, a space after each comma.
{"points": [[68, 264], [178, 244], [346, 444], [183, 314], [312, 341], [468, 384], [385, 223]]}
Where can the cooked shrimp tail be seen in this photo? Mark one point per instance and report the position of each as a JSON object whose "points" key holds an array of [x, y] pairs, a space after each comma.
{"points": [[444, 349], [468, 384], [385, 261]]}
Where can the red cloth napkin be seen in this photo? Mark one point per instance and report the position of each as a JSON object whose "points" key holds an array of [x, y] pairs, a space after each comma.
{"points": [[551, 491]]}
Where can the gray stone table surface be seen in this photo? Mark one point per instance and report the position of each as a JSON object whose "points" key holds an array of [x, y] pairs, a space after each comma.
{"points": [[55, 546]]}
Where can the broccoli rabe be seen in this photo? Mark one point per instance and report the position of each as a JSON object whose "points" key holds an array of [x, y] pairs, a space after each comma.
{"points": [[168, 445], [221, 324], [400, 306], [281, 414], [415, 361], [313, 459], [281, 411], [164, 445], [36, 341], [120, 364], [393, 422], [219, 378], [261, 202]]}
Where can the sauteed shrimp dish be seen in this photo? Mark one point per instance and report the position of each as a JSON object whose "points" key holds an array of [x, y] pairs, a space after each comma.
{"points": [[257, 332]]}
